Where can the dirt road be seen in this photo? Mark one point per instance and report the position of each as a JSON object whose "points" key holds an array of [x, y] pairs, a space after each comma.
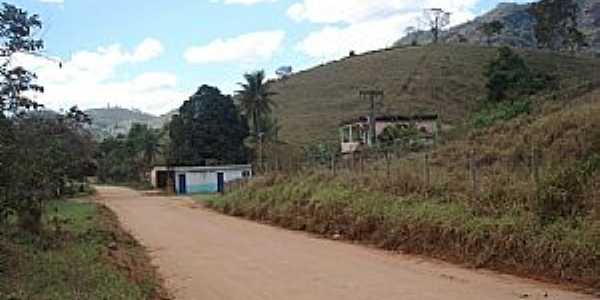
{"points": [[205, 256]]}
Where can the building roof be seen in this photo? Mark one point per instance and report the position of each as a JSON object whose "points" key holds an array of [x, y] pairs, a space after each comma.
{"points": [[392, 118], [202, 168]]}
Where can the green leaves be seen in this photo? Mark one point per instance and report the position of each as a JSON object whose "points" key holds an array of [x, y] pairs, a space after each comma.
{"points": [[255, 101], [208, 129], [17, 30], [128, 159], [509, 77], [501, 112]]}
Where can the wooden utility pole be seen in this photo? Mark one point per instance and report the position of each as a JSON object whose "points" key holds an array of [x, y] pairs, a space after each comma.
{"points": [[373, 96]]}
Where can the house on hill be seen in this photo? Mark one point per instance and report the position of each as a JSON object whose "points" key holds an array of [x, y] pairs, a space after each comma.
{"points": [[198, 180], [355, 133]]}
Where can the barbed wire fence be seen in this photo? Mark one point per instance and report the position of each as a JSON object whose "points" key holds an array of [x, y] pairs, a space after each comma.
{"points": [[471, 173]]}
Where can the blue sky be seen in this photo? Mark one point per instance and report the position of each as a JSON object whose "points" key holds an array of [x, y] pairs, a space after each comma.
{"points": [[152, 55]]}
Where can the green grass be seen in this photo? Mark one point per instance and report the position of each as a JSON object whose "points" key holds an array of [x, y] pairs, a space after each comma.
{"points": [[443, 79], [500, 112], [513, 241], [71, 260], [545, 225]]}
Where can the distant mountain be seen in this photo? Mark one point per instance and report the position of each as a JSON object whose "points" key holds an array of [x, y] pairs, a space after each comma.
{"points": [[518, 27], [115, 120]]}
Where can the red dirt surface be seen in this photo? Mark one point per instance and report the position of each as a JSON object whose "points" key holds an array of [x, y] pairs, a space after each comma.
{"points": [[204, 255]]}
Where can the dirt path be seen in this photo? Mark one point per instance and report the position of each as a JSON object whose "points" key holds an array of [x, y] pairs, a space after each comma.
{"points": [[205, 256]]}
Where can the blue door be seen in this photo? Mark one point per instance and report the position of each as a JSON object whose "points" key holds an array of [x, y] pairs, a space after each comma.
{"points": [[220, 182], [182, 184]]}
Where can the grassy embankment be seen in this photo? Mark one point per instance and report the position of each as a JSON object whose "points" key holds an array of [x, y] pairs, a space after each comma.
{"points": [[535, 212], [82, 254]]}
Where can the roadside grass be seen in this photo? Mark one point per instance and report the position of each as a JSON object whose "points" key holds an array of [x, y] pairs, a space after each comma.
{"points": [[82, 254], [514, 241], [543, 224]]}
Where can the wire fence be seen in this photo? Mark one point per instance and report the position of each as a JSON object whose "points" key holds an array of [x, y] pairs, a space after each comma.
{"points": [[475, 173]]}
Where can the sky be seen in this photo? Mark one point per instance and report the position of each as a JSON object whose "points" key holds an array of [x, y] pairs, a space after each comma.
{"points": [[153, 55]]}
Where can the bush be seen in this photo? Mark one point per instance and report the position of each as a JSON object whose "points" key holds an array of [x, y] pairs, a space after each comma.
{"points": [[503, 111], [510, 78], [562, 194]]}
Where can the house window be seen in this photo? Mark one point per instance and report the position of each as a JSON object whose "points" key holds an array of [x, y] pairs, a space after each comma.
{"points": [[245, 174]]}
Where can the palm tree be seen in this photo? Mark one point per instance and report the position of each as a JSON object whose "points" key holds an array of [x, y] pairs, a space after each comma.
{"points": [[255, 99]]}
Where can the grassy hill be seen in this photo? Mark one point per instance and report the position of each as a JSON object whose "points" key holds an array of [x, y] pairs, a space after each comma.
{"points": [[443, 79]]}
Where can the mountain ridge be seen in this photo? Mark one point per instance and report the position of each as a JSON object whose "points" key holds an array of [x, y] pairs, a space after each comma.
{"points": [[518, 27]]}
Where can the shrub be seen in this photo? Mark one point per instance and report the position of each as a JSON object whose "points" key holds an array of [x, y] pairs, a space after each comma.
{"points": [[510, 78], [562, 193], [503, 111]]}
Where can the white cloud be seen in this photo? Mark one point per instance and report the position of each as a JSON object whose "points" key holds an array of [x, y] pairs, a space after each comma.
{"points": [[336, 41], [362, 25], [87, 79], [150, 48], [243, 2], [245, 48]]}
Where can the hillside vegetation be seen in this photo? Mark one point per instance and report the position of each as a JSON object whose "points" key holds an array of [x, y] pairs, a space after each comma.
{"points": [[83, 254], [519, 196], [443, 79]]}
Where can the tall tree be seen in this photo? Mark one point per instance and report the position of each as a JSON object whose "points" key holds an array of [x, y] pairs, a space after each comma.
{"points": [[491, 29], [556, 24], [127, 159], [52, 154], [17, 29], [208, 128], [255, 100], [145, 142], [16, 36], [437, 19]]}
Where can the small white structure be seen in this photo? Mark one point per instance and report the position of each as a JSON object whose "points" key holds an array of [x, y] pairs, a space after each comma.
{"points": [[355, 133], [198, 180]]}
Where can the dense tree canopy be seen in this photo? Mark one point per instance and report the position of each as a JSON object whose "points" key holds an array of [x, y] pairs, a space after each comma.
{"points": [[207, 129], [43, 155], [509, 77], [47, 157], [128, 159]]}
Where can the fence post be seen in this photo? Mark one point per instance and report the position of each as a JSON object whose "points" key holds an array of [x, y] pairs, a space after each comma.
{"points": [[473, 172], [427, 171], [333, 164], [388, 163], [535, 175], [362, 162]]}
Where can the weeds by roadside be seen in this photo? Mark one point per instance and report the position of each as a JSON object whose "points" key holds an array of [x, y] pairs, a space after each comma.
{"points": [[519, 196], [81, 254]]}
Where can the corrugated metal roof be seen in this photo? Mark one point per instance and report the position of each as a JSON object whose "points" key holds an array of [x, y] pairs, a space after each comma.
{"points": [[202, 168], [392, 118]]}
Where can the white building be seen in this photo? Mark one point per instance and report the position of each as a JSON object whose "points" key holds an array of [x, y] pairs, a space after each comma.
{"points": [[355, 133], [197, 180]]}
